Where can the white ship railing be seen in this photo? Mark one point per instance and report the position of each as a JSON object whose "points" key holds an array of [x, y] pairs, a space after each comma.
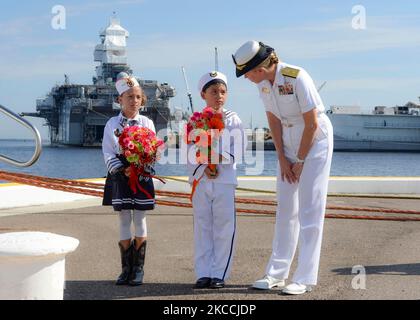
{"points": [[38, 142]]}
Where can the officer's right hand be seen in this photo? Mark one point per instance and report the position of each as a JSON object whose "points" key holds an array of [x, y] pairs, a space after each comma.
{"points": [[286, 171]]}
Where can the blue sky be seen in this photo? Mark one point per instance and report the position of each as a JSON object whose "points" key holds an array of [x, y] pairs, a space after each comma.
{"points": [[378, 65]]}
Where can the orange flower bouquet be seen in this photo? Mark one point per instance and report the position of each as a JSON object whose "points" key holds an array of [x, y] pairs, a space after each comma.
{"points": [[204, 129]]}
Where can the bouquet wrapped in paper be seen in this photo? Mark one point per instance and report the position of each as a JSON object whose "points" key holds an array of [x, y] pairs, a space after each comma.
{"points": [[140, 147], [203, 130]]}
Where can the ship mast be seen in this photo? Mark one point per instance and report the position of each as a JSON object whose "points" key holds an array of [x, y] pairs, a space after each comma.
{"points": [[216, 60], [188, 89], [322, 86]]}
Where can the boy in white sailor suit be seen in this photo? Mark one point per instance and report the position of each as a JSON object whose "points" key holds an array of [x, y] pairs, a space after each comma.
{"points": [[214, 197], [131, 207], [303, 136]]}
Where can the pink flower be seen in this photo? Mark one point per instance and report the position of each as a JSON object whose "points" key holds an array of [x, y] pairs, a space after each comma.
{"points": [[140, 142]]}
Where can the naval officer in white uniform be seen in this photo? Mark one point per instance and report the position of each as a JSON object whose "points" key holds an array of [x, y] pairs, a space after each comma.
{"points": [[303, 137]]}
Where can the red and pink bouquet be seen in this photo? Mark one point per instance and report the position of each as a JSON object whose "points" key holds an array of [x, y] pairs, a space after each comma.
{"points": [[140, 147], [204, 129]]}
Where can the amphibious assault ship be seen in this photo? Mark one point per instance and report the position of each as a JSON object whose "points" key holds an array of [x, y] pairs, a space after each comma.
{"points": [[386, 129], [76, 114]]}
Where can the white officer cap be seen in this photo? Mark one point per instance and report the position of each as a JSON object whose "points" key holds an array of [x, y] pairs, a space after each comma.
{"points": [[211, 78], [126, 83], [250, 55]]}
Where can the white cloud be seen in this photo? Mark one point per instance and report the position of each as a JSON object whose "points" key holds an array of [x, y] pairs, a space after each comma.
{"points": [[47, 67], [321, 40], [312, 41], [337, 37], [97, 5], [19, 26], [367, 84], [26, 25]]}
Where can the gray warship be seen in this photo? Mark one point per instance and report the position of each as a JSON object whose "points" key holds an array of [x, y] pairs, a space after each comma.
{"points": [[385, 129], [76, 114], [390, 129]]}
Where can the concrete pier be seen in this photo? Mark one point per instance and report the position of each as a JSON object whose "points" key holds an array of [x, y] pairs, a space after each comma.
{"points": [[387, 251]]}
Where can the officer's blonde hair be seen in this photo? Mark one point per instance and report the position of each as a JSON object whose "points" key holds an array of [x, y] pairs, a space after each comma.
{"points": [[271, 60]]}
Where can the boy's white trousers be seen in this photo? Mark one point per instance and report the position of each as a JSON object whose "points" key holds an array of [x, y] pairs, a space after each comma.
{"points": [[214, 229]]}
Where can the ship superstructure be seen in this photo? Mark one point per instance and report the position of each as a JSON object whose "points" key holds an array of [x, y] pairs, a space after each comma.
{"points": [[76, 114]]}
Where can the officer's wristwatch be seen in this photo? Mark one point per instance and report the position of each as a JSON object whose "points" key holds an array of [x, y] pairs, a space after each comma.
{"points": [[299, 160]]}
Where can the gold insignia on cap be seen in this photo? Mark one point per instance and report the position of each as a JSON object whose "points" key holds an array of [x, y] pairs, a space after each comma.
{"points": [[213, 74], [130, 83], [240, 66], [265, 90], [290, 72]]}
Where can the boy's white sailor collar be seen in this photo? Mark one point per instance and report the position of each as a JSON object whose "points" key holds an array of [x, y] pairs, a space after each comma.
{"points": [[123, 120], [226, 111]]}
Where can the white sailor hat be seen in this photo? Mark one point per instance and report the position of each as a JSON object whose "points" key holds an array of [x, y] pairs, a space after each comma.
{"points": [[126, 83], [250, 55], [211, 78]]}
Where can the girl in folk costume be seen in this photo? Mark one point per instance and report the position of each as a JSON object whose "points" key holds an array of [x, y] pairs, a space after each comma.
{"points": [[130, 206], [214, 184]]}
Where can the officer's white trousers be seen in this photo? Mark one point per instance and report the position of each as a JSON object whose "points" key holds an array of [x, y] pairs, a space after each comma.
{"points": [[300, 211], [214, 229]]}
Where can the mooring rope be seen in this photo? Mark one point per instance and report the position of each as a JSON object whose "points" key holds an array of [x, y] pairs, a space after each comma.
{"points": [[96, 190]]}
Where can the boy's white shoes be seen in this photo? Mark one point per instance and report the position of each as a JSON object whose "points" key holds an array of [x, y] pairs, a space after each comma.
{"points": [[267, 283], [296, 288]]}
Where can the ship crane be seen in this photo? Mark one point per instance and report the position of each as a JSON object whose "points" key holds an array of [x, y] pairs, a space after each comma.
{"points": [[322, 86], [188, 90], [216, 60]]}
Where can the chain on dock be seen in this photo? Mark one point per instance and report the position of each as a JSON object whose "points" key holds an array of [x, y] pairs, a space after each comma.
{"points": [[96, 190]]}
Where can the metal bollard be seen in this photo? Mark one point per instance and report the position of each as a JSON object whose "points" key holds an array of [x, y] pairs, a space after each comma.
{"points": [[32, 265]]}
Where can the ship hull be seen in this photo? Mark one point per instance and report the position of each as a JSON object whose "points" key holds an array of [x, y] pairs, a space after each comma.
{"points": [[360, 132], [347, 145]]}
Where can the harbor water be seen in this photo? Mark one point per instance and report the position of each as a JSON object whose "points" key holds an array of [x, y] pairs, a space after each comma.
{"points": [[78, 163]]}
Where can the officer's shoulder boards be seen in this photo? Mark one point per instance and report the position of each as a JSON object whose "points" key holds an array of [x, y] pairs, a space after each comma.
{"points": [[290, 72]]}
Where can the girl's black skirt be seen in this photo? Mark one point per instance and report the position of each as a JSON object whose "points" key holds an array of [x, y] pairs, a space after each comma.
{"points": [[117, 193]]}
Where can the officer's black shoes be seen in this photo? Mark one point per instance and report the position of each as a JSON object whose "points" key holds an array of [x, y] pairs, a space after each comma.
{"points": [[137, 272], [217, 283], [203, 283], [126, 256]]}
